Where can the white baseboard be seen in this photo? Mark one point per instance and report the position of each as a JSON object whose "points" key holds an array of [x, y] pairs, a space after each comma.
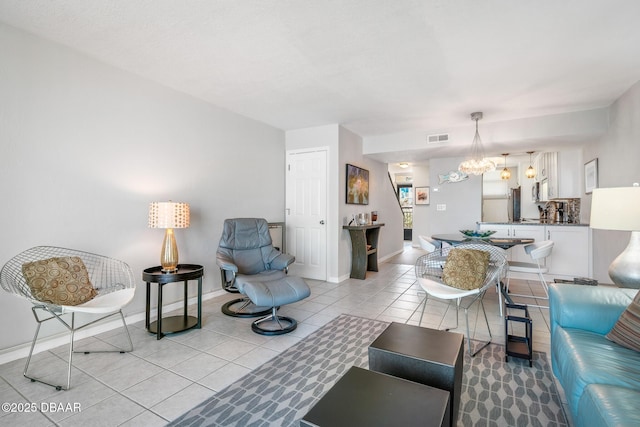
{"points": [[344, 277], [338, 279], [391, 255], [53, 341]]}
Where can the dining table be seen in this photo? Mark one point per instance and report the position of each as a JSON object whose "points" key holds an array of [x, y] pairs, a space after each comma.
{"points": [[502, 242]]}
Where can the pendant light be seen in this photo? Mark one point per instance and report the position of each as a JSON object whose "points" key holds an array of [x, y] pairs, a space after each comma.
{"points": [[477, 164], [531, 172], [506, 173]]}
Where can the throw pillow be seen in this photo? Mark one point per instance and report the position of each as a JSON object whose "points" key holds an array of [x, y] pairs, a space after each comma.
{"points": [[60, 280], [465, 268], [626, 331]]}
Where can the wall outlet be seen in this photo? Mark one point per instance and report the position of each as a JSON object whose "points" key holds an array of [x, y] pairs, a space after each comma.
{"points": [[441, 207]]}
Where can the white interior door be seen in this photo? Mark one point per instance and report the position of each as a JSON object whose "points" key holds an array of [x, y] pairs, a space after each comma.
{"points": [[306, 214]]}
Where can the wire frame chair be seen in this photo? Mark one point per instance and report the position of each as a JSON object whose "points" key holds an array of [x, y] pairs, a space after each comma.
{"points": [[429, 268], [111, 278]]}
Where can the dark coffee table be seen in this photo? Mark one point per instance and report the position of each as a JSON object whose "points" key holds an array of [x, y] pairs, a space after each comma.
{"points": [[426, 356], [366, 398]]}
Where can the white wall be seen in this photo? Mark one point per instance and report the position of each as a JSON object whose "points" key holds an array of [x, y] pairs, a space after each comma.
{"points": [[617, 153], [346, 147], [86, 147], [382, 198], [463, 200]]}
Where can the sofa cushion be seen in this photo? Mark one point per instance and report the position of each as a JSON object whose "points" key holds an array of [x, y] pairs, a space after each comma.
{"points": [[608, 405], [626, 331], [580, 358], [592, 308], [465, 268]]}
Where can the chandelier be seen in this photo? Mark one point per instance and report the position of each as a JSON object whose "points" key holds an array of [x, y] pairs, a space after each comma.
{"points": [[477, 164]]}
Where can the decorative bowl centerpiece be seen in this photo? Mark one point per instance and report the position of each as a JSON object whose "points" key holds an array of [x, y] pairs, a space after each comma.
{"points": [[477, 234]]}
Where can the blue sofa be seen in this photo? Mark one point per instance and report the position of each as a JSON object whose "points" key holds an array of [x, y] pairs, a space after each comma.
{"points": [[601, 379]]}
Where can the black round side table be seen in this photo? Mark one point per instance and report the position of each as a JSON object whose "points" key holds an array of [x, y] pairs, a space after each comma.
{"points": [[173, 324]]}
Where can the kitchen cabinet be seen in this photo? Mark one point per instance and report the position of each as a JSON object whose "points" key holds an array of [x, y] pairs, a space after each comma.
{"points": [[559, 174], [571, 255], [546, 175], [551, 165], [535, 232], [536, 165], [569, 172], [517, 252], [501, 230]]}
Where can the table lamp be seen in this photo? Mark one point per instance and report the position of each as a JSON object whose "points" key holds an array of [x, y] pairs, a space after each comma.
{"points": [[169, 215], [619, 209]]}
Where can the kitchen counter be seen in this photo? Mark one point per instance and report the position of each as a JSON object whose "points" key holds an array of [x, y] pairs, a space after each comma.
{"points": [[537, 222]]}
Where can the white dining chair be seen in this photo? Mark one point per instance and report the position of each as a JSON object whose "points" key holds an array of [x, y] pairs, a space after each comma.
{"points": [[429, 244], [538, 252]]}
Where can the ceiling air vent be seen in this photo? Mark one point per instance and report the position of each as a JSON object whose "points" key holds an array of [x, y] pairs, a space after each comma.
{"points": [[436, 139]]}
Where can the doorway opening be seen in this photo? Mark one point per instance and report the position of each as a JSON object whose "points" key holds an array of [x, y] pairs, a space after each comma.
{"points": [[405, 197]]}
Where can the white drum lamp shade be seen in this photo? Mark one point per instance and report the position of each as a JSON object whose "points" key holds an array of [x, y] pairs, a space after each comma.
{"points": [[619, 209], [169, 215]]}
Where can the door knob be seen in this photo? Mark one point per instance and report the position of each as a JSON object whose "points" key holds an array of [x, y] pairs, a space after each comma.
{"points": [[322, 222]]}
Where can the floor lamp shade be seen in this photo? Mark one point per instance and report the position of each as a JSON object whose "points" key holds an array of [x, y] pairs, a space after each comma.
{"points": [[619, 209], [169, 215]]}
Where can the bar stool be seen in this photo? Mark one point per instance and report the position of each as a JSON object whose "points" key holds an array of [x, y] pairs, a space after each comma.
{"points": [[429, 244], [538, 253]]}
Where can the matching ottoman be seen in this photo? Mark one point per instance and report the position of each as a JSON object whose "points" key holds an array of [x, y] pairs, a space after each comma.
{"points": [[426, 356], [275, 293], [366, 398]]}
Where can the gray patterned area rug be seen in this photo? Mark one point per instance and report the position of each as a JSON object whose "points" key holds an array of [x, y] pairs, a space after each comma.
{"points": [[281, 392]]}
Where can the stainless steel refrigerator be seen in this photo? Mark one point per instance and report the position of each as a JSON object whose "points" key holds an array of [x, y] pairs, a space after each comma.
{"points": [[514, 205]]}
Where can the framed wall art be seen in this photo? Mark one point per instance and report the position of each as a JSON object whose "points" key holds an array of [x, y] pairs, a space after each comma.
{"points": [[357, 185], [590, 176], [422, 196]]}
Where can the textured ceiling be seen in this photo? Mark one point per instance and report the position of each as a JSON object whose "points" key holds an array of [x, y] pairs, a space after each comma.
{"points": [[375, 66]]}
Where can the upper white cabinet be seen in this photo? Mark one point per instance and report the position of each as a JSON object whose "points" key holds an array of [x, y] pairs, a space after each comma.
{"points": [[559, 174], [551, 166], [569, 173]]}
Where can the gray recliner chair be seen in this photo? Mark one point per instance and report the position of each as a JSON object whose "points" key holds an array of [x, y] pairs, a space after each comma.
{"points": [[250, 265], [245, 253]]}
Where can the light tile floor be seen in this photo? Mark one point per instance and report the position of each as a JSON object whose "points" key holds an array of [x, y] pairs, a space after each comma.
{"points": [[160, 380]]}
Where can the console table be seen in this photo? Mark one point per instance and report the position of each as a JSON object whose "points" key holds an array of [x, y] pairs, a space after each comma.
{"points": [[364, 249]]}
